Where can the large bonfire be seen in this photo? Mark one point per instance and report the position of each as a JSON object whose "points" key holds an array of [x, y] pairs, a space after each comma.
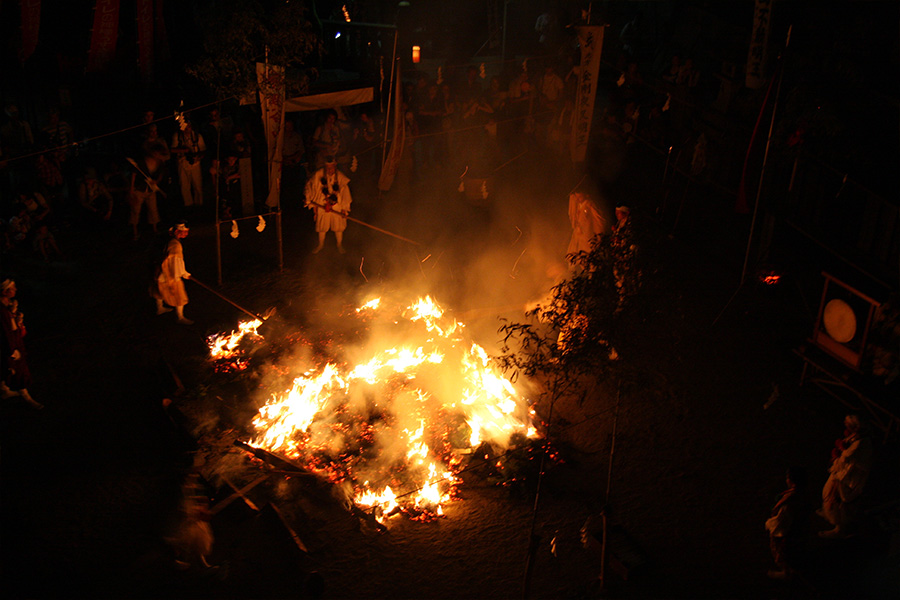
{"points": [[392, 420]]}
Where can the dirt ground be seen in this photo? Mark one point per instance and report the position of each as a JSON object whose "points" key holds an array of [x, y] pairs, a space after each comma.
{"points": [[92, 483]]}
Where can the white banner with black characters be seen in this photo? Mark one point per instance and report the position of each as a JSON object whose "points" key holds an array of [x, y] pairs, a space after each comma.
{"points": [[590, 39], [759, 40]]}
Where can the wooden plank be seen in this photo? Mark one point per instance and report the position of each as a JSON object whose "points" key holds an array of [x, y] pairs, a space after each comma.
{"points": [[238, 493], [289, 529]]}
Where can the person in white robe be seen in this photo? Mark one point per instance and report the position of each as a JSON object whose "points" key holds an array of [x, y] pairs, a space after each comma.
{"points": [[170, 276], [328, 196]]}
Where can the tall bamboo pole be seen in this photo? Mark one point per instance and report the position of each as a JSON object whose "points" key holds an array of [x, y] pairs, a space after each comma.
{"points": [[765, 156], [218, 222], [387, 119]]}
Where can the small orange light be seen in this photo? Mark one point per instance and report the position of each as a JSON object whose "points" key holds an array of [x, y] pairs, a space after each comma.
{"points": [[416, 54]]}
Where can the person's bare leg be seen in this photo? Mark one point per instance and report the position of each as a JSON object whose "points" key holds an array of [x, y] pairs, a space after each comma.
{"points": [[321, 242], [179, 310], [31, 401], [340, 241], [161, 308]]}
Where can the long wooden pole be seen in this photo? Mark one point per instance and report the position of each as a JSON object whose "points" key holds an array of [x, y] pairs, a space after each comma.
{"points": [[364, 224], [218, 217], [387, 118], [226, 299], [762, 172]]}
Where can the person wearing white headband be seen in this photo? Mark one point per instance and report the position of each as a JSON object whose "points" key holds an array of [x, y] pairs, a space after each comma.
{"points": [[168, 287]]}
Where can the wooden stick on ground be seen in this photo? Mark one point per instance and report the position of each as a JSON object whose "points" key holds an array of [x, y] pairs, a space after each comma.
{"points": [[290, 529], [238, 493]]}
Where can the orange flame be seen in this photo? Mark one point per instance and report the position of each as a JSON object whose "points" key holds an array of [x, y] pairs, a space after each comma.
{"points": [[391, 425], [224, 346]]}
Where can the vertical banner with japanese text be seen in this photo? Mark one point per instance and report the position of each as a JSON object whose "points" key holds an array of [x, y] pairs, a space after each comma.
{"points": [[759, 40], [31, 25], [103, 35], [271, 93], [144, 10], [590, 39], [390, 166]]}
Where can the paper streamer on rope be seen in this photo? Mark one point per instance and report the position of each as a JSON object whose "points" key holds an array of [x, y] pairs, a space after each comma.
{"points": [[235, 232], [261, 225], [354, 165]]}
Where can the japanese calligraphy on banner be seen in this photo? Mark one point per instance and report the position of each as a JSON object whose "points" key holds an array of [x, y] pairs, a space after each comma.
{"points": [[31, 24], [271, 94], [103, 34], [759, 40], [590, 38], [145, 39]]}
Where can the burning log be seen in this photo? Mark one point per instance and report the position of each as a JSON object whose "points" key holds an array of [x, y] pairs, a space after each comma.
{"points": [[289, 469], [275, 460]]}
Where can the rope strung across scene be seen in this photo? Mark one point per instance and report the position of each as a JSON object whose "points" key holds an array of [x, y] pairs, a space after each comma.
{"points": [[108, 134]]}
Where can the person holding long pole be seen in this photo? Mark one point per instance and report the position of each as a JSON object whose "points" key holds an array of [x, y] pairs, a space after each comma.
{"points": [[328, 196], [168, 288]]}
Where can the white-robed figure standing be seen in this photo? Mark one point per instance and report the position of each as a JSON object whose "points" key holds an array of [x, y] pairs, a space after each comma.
{"points": [[170, 273], [328, 196]]}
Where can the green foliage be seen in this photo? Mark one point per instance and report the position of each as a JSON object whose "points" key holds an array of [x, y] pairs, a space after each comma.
{"points": [[236, 35], [575, 333]]}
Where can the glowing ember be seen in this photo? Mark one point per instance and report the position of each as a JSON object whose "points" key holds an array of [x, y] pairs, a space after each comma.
{"points": [[390, 428], [769, 277], [225, 346]]}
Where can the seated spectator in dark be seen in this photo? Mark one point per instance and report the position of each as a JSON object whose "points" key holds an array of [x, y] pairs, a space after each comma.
{"points": [[50, 176], [59, 134], [117, 182], [44, 243], [36, 205], [229, 174], [470, 88], [688, 75], [365, 142], [631, 83], [671, 72], [19, 225], [95, 199]]}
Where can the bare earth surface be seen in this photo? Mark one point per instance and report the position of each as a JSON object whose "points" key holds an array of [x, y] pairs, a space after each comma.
{"points": [[92, 483]]}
